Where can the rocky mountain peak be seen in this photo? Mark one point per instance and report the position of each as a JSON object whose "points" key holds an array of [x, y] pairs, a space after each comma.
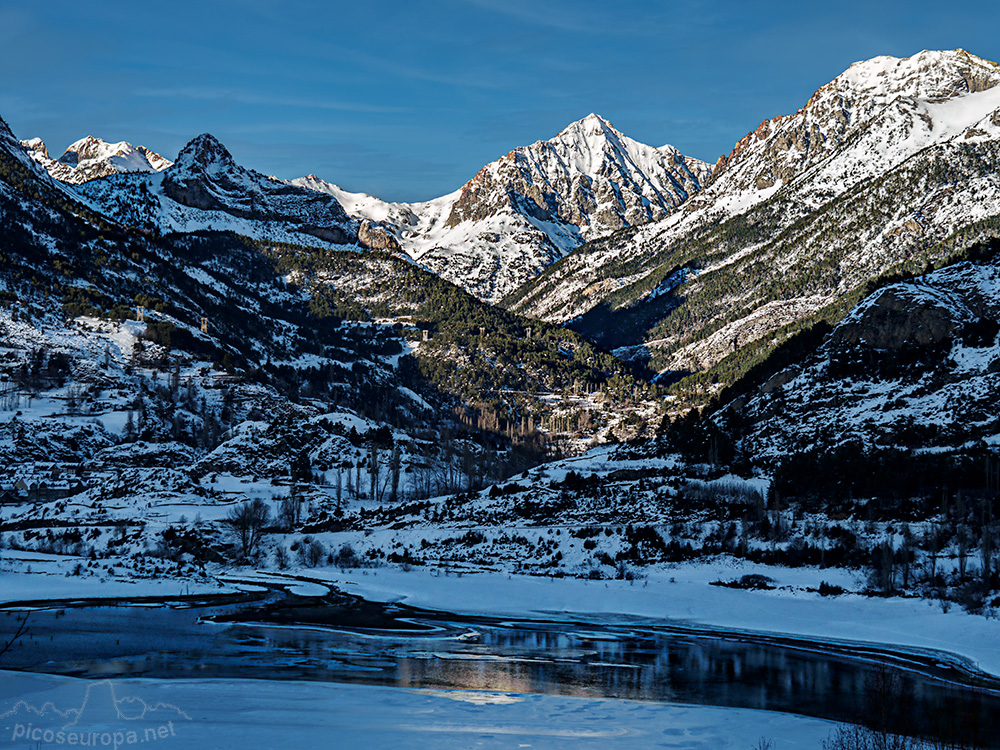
{"points": [[589, 176], [89, 148], [206, 178], [104, 158], [36, 148], [589, 144], [591, 125], [91, 157], [203, 152], [890, 93], [932, 75]]}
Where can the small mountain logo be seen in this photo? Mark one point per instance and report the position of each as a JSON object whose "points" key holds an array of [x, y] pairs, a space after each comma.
{"points": [[101, 706], [101, 715]]}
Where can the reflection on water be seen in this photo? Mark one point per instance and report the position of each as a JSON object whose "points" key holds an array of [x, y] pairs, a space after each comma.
{"points": [[350, 641]]}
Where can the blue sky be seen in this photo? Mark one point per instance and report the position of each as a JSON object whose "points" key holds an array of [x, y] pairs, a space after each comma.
{"points": [[407, 100]]}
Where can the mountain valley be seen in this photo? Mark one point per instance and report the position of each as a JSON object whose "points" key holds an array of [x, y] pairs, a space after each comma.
{"points": [[596, 359]]}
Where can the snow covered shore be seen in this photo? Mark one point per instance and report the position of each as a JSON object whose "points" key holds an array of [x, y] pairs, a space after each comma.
{"points": [[684, 594], [681, 593]]}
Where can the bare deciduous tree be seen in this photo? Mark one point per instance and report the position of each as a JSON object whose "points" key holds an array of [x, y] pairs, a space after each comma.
{"points": [[247, 523], [19, 633], [932, 540], [291, 509], [395, 464], [312, 552]]}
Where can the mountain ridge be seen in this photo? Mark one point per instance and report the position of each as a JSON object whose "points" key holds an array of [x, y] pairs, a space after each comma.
{"points": [[206, 189], [512, 219], [533, 205], [91, 158]]}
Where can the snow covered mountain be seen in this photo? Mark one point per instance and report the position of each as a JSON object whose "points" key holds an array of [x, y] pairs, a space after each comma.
{"points": [[534, 205], [875, 172], [514, 218], [370, 405], [206, 189], [872, 117], [90, 158], [166, 357]]}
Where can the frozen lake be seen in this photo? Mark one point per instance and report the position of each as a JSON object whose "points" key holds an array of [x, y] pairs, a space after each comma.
{"points": [[338, 639]]}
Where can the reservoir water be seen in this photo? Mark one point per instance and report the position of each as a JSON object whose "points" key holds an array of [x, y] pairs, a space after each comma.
{"points": [[335, 638]]}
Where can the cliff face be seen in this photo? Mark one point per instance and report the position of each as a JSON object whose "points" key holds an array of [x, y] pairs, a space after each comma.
{"points": [[899, 318]]}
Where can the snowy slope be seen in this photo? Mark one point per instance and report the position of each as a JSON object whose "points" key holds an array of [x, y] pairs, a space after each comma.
{"points": [[13, 150], [90, 158], [534, 205]]}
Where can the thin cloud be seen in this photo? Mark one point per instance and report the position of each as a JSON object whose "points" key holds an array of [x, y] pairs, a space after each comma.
{"points": [[475, 79], [573, 19], [245, 97], [546, 16]]}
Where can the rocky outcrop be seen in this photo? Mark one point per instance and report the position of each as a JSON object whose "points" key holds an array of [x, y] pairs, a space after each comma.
{"points": [[333, 234], [207, 177], [896, 319], [205, 172], [915, 364], [377, 237]]}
